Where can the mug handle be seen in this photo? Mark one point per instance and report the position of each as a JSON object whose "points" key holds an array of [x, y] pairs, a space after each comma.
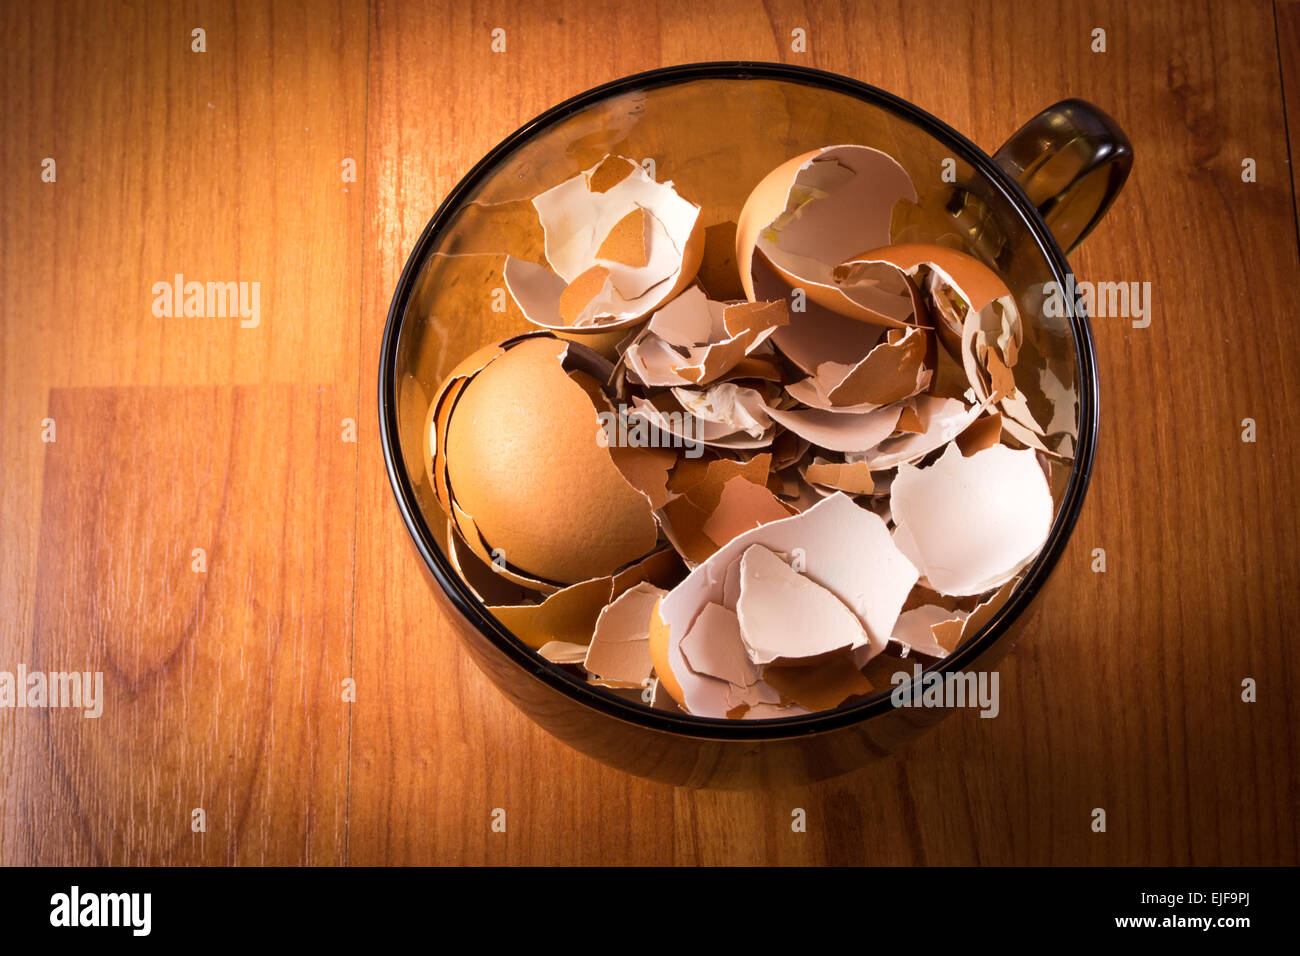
{"points": [[1071, 160]]}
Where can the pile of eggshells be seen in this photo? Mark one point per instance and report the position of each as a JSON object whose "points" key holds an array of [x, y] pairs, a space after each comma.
{"points": [[748, 509]]}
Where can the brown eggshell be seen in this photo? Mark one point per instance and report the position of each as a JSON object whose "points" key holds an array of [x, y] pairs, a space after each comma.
{"points": [[978, 284], [659, 656], [821, 234], [973, 280], [524, 462], [765, 203]]}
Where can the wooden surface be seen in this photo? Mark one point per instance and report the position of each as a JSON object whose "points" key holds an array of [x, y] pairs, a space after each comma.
{"points": [[224, 687]]}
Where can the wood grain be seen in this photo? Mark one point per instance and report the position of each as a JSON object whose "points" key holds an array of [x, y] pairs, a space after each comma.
{"points": [[222, 166], [1125, 697], [223, 667], [1286, 14]]}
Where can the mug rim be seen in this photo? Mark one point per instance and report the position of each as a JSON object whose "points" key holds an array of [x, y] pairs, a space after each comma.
{"points": [[710, 728]]}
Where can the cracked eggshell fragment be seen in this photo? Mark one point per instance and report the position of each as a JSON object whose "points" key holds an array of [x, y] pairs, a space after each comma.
{"points": [[742, 507], [735, 407], [816, 335], [764, 711], [713, 648], [941, 420], [816, 210], [973, 309], [567, 615], [619, 653], [695, 341], [496, 561], [984, 432], [822, 685], [893, 370], [571, 614], [839, 431], [678, 427], [525, 464], [945, 272], [563, 652], [784, 615], [646, 469], [445, 400], [840, 546], [715, 503], [854, 478], [619, 245], [969, 524], [710, 674], [481, 577], [917, 629]]}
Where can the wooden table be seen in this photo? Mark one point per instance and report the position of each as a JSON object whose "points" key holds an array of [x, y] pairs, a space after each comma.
{"points": [[224, 685]]}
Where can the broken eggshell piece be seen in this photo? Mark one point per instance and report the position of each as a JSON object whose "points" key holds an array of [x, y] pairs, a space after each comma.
{"points": [[841, 549], [693, 340], [813, 212], [969, 524], [619, 245], [619, 653]]}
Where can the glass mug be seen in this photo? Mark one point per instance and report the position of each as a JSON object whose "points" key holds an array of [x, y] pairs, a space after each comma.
{"points": [[715, 129]]}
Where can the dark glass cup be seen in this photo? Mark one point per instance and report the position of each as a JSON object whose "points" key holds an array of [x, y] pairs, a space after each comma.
{"points": [[715, 129]]}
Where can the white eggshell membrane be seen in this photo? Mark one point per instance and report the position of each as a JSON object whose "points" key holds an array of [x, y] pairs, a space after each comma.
{"points": [[969, 524], [576, 221]]}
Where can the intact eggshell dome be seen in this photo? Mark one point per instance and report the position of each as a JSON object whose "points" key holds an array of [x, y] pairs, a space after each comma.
{"points": [[525, 463]]}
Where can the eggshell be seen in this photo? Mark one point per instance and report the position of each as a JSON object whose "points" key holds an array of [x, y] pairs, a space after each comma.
{"points": [[837, 431], [713, 647], [785, 615], [571, 615], [524, 462], [844, 548], [619, 653], [618, 245], [893, 370], [816, 210], [852, 477], [915, 629], [982, 327], [742, 507], [482, 578], [969, 524], [568, 615], [974, 281], [563, 652], [694, 340], [470, 535], [733, 406], [658, 642], [941, 420], [695, 505], [821, 685], [765, 203], [668, 416], [984, 432], [440, 412]]}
